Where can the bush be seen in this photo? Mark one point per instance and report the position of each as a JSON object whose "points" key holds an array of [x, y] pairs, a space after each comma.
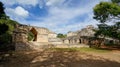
{"points": [[4, 28], [6, 42], [30, 36], [6, 38]]}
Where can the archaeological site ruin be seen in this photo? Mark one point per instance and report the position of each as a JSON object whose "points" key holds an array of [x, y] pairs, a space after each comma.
{"points": [[43, 37]]}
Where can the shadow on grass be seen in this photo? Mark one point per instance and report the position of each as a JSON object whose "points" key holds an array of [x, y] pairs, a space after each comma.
{"points": [[109, 48], [54, 58]]}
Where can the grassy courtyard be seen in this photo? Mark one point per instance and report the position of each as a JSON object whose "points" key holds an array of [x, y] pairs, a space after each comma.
{"points": [[82, 49], [63, 57]]}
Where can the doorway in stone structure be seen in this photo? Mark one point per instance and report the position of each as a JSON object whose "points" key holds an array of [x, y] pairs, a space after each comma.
{"points": [[69, 41], [80, 41], [33, 30]]}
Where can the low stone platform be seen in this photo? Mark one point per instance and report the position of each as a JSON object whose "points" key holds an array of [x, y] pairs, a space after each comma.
{"points": [[38, 46]]}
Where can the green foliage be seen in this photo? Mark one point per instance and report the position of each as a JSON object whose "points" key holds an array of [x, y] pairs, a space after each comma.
{"points": [[5, 42], [5, 38], [3, 29], [106, 11], [2, 13], [109, 31], [9, 23], [6, 26], [6, 30], [115, 1], [30, 36], [61, 35]]}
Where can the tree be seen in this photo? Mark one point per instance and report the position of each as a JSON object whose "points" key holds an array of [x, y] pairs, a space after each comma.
{"points": [[2, 13], [117, 29], [61, 35], [105, 12], [3, 28], [6, 26], [115, 1], [103, 30]]}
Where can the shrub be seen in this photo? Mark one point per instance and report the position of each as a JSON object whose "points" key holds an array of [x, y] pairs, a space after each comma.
{"points": [[5, 38], [30, 36]]}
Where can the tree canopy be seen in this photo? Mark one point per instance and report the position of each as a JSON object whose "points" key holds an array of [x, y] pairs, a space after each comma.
{"points": [[105, 12], [115, 1], [2, 12], [3, 28], [6, 26], [61, 35]]}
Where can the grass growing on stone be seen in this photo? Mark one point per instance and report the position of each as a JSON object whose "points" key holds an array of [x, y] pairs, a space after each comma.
{"points": [[82, 49]]}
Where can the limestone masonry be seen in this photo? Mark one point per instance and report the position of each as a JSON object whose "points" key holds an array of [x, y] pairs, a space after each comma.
{"points": [[45, 37], [42, 36]]}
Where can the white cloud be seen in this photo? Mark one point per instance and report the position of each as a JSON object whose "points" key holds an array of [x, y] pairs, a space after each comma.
{"points": [[61, 17], [64, 26], [21, 11], [41, 3], [8, 2], [27, 2], [22, 2], [54, 2]]}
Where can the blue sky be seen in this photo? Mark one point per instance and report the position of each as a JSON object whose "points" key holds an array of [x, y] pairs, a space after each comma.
{"points": [[59, 16]]}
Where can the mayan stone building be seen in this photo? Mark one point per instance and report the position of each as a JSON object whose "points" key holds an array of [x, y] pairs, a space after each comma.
{"points": [[19, 37], [42, 36], [86, 36], [80, 37]]}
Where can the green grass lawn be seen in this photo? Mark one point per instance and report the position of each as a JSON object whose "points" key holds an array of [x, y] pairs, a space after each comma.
{"points": [[82, 49]]}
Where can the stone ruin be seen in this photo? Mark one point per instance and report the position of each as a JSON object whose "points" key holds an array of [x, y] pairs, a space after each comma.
{"points": [[20, 38], [42, 36], [79, 37], [86, 36], [45, 37]]}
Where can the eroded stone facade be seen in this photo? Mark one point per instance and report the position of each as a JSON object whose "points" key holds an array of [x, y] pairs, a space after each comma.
{"points": [[79, 37], [86, 36], [41, 36]]}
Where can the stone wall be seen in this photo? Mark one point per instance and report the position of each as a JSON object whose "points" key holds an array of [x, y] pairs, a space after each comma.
{"points": [[20, 38], [80, 36], [66, 41], [52, 35], [42, 38], [55, 41], [43, 34], [70, 33]]}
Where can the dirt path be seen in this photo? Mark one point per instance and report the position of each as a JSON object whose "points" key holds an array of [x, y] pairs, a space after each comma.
{"points": [[53, 58]]}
